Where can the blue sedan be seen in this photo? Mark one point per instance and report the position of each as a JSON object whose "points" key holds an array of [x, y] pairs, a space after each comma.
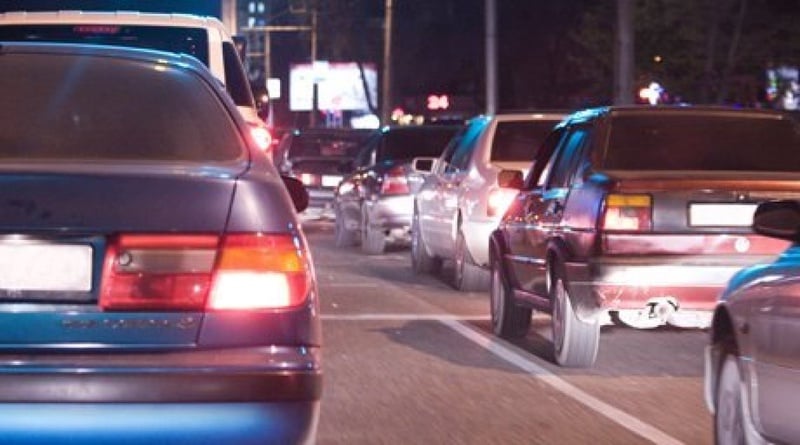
{"points": [[155, 286]]}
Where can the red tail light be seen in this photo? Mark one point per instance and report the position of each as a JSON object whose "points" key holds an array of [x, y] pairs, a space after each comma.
{"points": [[261, 137], [499, 199], [628, 213], [163, 272], [395, 182], [260, 272], [196, 272], [309, 179]]}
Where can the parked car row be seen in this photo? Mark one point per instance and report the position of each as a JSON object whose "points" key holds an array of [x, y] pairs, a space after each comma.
{"points": [[641, 216], [156, 285]]}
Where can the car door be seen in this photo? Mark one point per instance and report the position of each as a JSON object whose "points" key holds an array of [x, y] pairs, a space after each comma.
{"points": [[776, 330], [545, 214], [427, 198], [449, 178], [350, 192], [520, 219]]}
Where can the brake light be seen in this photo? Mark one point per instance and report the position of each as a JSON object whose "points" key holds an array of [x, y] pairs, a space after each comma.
{"points": [[499, 199], [197, 272], [157, 272], [628, 212], [261, 137], [308, 179], [395, 182], [256, 271]]}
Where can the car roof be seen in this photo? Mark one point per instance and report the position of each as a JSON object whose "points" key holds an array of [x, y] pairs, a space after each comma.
{"points": [[110, 17], [140, 54]]}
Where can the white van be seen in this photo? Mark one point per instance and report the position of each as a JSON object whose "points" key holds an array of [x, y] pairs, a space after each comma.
{"points": [[202, 37]]}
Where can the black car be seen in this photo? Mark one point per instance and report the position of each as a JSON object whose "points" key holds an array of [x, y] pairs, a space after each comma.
{"points": [[374, 204], [319, 158], [155, 286]]}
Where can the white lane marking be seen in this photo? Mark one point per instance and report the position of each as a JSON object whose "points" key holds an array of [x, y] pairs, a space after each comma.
{"points": [[402, 317], [530, 366], [369, 285]]}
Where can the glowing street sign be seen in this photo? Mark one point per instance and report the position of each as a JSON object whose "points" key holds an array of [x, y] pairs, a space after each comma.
{"points": [[438, 102]]}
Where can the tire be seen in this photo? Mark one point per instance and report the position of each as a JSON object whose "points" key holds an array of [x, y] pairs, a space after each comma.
{"points": [[575, 341], [421, 262], [508, 319], [468, 277], [373, 242], [341, 236], [732, 424]]}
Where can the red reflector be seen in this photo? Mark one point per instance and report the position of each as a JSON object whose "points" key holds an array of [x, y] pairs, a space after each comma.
{"points": [[256, 271], [395, 182], [157, 272], [95, 29]]}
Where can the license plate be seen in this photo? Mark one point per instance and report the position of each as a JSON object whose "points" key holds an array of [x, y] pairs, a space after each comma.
{"points": [[45, 267], [724, 215], [331, 181]]}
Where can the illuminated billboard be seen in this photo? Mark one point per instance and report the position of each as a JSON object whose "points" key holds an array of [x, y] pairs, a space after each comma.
{"points": [[339, 86], [783, 87]]}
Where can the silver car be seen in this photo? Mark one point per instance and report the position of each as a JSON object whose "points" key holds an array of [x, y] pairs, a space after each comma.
{"points": [[460, 202], [752, 378]]}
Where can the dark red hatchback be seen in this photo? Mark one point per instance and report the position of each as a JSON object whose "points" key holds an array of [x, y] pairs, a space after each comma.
{"points": [[641, 214]]}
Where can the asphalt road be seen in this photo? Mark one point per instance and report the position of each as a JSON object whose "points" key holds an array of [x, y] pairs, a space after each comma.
{"points": [[408, 360]]}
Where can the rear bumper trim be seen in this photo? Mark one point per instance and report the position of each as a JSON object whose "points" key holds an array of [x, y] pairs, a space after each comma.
{"points": [[173, 387]]}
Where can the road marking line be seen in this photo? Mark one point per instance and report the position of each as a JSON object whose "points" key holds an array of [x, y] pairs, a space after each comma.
{"points": [[403, 317], [530, 366]]}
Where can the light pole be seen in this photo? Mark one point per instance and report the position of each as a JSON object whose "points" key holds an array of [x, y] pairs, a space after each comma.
{"points": [[386, 95], [491, 57]]}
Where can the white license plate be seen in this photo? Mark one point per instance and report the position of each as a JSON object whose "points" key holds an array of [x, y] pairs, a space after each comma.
{"points": [[331, 181], [45, 267], [724, 215]]}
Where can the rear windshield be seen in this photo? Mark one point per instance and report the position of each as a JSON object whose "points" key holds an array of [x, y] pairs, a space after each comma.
{"points": [[317, 145], [192, 41], [408, 143], [58, 106], [722, 142], [518, 141]]}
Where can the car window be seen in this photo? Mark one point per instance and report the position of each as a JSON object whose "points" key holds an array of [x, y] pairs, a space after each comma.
{"points": [[311, 145], [568, 158], [518, 140], [236, 82], [192, 41], [111, 109], [409, 143], [366, 154], [466, 146], [450, 149], [544, 158], [723, 142]]}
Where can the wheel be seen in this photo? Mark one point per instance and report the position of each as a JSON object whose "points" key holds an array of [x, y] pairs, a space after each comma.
{"points": [[575, 341], [468, 277], [342, 237], [732, 423], [373, 242], [421, 262], [508, 319]]}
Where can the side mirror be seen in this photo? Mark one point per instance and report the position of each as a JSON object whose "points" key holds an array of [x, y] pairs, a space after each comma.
{"points": [[778, 219], [422, 164], [297, 191], [510, 179]]}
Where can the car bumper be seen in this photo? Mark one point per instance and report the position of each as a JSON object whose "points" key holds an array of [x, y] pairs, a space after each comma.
{"points": [[476, 235], [693, 283], [392, 212], [246, 375], [147, 423]]}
